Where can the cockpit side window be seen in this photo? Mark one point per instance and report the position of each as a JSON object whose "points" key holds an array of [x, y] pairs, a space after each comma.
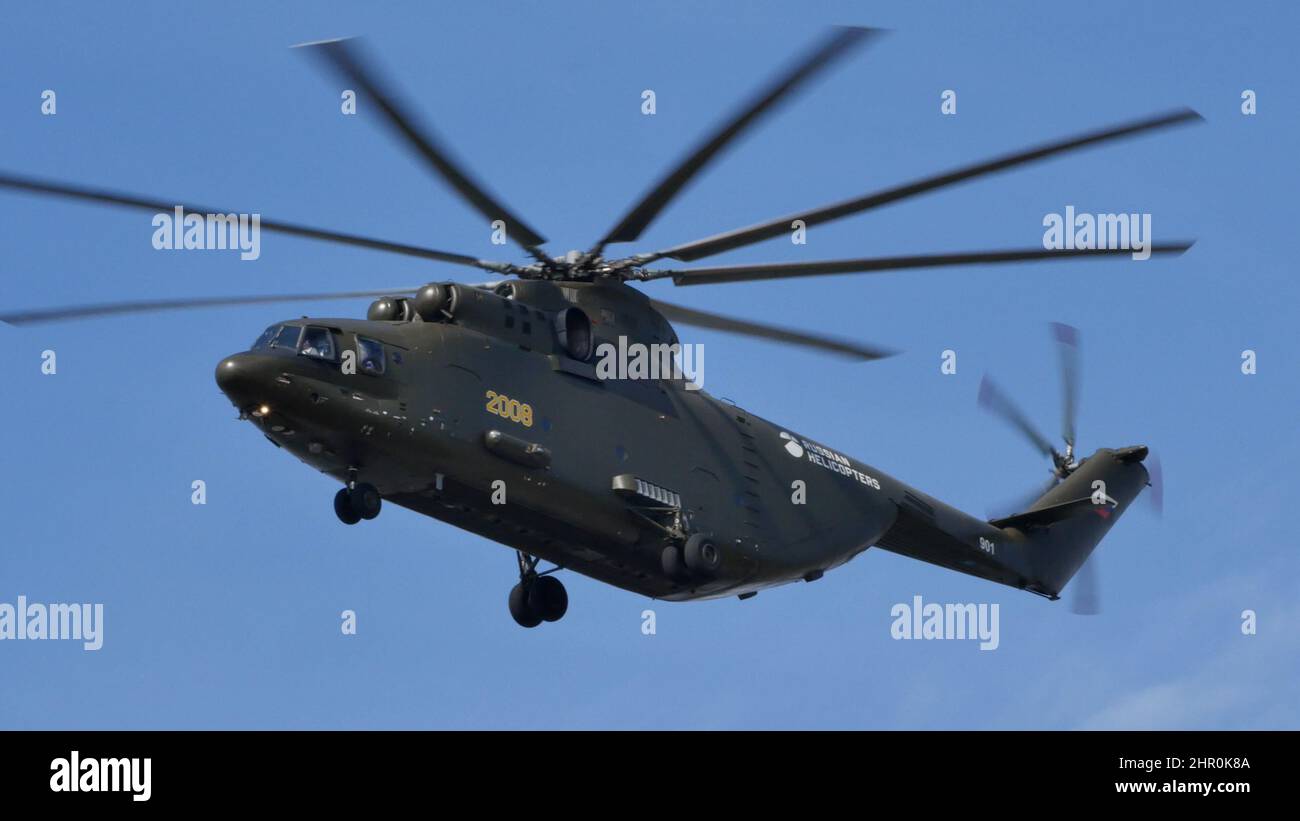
{"points": [[370, 356], [264, 341], [287, 337], [317, 343]]}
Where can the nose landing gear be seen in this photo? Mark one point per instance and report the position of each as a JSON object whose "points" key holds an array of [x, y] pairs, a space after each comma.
{"points": [[357, 501], [538, 597]]}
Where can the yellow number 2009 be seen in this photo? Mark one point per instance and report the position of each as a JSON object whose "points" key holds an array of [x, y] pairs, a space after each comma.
{"points": [[511, 409]]}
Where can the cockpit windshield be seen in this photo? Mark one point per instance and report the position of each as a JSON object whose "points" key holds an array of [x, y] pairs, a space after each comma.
{"points": [[320, 343], [264, 341], [287, 337], [278, 336], [317, 343]]}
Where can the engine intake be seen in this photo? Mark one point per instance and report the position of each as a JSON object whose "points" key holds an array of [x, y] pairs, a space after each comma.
{"points": [[390, 309], [573, 330], [434, 300]]}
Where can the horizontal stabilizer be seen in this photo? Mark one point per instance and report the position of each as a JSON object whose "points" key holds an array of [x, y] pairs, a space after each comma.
{"points": [[1044, 516]]}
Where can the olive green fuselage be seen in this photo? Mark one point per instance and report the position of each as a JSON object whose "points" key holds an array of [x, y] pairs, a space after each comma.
{"points": [[780, 507]]}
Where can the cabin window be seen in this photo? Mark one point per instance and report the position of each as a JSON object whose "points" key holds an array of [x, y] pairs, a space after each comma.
{"points": [[264, 341], [370, 356], [318, 343], [287, 337]]}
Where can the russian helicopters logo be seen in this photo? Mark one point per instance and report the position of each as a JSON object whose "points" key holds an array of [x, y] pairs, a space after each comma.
{"points": [[791, 446], [826, 458]]}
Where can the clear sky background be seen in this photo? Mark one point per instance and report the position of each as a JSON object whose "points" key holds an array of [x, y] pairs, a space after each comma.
{"points": [[227, 615]]}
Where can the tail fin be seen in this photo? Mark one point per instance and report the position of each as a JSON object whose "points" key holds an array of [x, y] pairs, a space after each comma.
{"points": [[1065, 524]]}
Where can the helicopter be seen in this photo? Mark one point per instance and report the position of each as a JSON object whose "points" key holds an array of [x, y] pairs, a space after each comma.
{"points": [[479, 404]]}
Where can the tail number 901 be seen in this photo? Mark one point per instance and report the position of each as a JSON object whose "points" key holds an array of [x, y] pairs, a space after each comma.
{"points": [[511, 409]]}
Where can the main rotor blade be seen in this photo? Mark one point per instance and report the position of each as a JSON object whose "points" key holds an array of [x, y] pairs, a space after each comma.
{"points": [[717, 322], [992, 398], [835, 45], [347, 60], [718, 243], [144, 306], [1067, 341], [34, 185], [787, 270]]}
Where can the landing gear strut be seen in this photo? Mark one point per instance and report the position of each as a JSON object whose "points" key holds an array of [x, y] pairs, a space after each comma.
{"points": [[357, 501], [538, 597]]}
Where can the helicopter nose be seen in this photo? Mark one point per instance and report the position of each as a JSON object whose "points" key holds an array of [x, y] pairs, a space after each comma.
{"points": [[238, 377]]}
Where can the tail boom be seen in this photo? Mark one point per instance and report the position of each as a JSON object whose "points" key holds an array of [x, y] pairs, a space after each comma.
{"points": [[1038, 550]]}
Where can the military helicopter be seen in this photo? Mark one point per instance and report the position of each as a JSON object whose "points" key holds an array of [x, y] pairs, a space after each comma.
{"points": [[480, 405]]}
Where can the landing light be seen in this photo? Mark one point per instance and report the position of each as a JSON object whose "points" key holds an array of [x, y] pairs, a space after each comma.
{"points": [[262, 410]]}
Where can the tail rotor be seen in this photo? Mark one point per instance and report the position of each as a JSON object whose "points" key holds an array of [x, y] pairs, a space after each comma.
{"points": [[994, 400], [1157, 495], [1086, 592]]}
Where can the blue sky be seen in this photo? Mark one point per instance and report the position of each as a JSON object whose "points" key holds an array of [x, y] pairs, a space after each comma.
{"points": [[227, 615]]}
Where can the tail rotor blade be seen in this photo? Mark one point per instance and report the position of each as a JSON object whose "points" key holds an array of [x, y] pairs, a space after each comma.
{"points": [[1085, 599], [1067, 341], [1157, 484], [992, 398]]}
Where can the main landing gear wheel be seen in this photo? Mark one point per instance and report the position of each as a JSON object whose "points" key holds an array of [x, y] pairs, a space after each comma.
{"points": [[673, 564], [699, 560], [548, 598], [357, 501], [366, 500], [343, 507], [537, 598], [523, 615], [702, 556]]}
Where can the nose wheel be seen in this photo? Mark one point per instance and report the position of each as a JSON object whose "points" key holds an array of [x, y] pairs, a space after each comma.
{"points": [[538, 597], [357, 501]]}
